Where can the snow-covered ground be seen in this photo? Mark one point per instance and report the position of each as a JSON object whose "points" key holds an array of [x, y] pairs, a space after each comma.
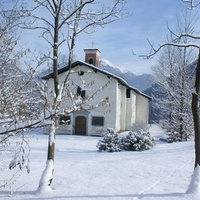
{"points": [[83, 173]]}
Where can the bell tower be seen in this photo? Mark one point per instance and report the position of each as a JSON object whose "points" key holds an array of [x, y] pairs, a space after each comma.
{"points": [[92, 56]]}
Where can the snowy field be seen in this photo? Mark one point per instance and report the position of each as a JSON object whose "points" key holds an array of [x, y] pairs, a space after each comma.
{"points": [[83, 173]]}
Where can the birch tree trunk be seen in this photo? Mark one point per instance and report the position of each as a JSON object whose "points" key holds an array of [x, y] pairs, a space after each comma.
{"points": [[47, 176], [195, 113]]}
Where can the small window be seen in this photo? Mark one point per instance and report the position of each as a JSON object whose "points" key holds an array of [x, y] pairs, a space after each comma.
{"points": [[80, 92], [97, 121], [64, 119], [128, 93], [81, 73], [91, 61]]}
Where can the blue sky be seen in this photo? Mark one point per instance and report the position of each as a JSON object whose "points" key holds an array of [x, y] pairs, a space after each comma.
{"points": [[117, 40]]}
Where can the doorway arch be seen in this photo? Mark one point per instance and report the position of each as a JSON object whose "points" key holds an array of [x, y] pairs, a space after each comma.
{"points": [[80, 125]]}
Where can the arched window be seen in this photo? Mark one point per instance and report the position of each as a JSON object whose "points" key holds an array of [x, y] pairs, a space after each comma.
{"points": [[91, 61]]}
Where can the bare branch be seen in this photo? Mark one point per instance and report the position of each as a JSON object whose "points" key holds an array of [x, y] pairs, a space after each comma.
{"points": [[155, 51], [192, 4], [27, 125], [78, 8]]}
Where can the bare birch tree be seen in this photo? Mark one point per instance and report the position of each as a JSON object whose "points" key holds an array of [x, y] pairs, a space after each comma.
{"points": [[183, 40], [174, 78], [177, 41], [18, 87], [20, 98], [62, 22]]}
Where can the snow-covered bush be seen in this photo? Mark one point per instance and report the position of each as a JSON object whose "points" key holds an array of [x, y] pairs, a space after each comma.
{"points": [[137, 141], [173, 136], [134, 141], [110, 141]]}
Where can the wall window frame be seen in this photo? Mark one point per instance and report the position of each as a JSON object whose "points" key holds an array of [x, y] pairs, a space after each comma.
{"points": [[63, 119], [128, 93], [98, 121]]}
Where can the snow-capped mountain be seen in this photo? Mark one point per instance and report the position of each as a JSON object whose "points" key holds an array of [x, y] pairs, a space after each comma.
{"points": [[141, 82]]}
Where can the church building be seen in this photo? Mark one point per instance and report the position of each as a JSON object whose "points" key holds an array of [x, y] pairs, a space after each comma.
{"points": [[95, 99]]}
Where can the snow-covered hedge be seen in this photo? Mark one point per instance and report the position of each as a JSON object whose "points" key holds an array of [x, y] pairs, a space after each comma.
{"points": [[137, 141], [110, 141], [134, 141]]}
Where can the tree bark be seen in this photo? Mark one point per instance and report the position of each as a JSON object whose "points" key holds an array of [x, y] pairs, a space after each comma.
{"points": [[47, 176], [195, 113], [55, 50]]}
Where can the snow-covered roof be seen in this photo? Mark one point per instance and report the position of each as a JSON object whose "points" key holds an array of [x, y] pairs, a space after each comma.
{"points": [[96, 69]]}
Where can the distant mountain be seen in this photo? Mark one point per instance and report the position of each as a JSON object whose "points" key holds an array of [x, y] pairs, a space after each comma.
{"points": [[154, 113], [141, 82]]}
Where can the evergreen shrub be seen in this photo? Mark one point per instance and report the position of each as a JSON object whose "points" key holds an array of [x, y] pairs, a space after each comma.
{"points": [[133, 141], [110, 141], [137, 141]]}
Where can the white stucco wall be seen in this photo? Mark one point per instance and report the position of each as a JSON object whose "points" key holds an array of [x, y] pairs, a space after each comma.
{"points": [[142, 109], [123, 109], [119, 113], [99, 86], [130, 110], [134, 108], [126, 109], [118, 107]]}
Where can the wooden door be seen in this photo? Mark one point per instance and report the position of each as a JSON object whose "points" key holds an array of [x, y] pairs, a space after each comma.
{"points": [[80, 126]]}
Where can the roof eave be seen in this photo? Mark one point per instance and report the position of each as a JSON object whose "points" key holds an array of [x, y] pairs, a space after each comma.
{"points": [[80, 63]]}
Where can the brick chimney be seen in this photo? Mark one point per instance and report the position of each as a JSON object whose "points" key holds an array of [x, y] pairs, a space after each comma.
{"points": [[92, 56]]}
